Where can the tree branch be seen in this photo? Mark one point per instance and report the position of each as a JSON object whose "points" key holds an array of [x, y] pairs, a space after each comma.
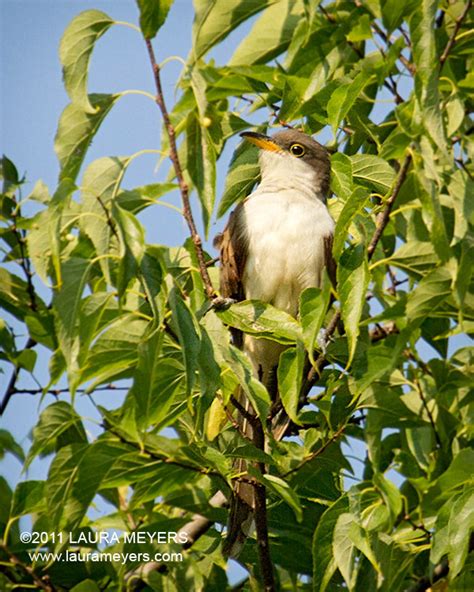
{"points": [[183, 186], [452, 39]]}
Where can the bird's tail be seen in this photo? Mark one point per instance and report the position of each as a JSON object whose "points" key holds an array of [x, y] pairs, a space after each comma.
{"points": [[242, 504], [264, 356]]}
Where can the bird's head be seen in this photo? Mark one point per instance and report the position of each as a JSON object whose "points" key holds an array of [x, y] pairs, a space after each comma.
{"points": [[292, 159]]}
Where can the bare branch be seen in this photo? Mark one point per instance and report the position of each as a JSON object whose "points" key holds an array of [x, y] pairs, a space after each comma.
{"points": [[183, 186]]}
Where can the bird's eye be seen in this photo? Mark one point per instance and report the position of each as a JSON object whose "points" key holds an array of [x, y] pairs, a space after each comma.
{"points": [[297, 150]]}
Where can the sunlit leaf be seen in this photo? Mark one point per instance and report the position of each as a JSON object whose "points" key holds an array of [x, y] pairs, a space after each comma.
{"points": [[76, 129], [153, 14], [75, 52], [352, 280]]}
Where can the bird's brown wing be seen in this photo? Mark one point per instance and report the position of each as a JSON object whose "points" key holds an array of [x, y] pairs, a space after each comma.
{"points": [[233, 246], [329, 261]]}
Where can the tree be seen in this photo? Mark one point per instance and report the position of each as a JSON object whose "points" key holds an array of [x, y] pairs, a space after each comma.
{"points": [[147, 318]]}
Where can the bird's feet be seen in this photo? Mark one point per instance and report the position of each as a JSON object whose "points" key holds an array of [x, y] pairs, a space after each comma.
{"points": [[322, 340], [220, 303]]}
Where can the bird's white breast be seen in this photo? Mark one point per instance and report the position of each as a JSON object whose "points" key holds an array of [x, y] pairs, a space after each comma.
{"points": [[285, 230]]}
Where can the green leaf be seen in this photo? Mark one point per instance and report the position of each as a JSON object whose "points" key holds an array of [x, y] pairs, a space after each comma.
{"points": [[290, 377], [158, 382], [28, 498], [324, 564], [76, 129], [270, 35], [14, 295], [59, 424], [8, 444], [394, 11], [132, 246], [352, 280], [75, 477], [372, 171], [44, 238], [114, 353], [341, 178], [391, 495], [67, 304], [100, 186], [241, 367], [430, 293], [344, 549], [75, 51], [374, 362], [313, 308], [243, 173], [188, 332], [201, 153], [215, 19], [343, 98], [354, 205], [361, 30], [287, 494], [453, 528], [414, 257], [153, 14], [422, 33], [27, 360], [259, 318]]}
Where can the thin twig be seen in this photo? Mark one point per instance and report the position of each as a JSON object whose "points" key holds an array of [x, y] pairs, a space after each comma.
{"points": [[452, 39], [56, 392], [183, 186]]}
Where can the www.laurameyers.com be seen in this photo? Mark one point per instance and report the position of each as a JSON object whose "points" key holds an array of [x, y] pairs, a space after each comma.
{"points": [[103, 538]]}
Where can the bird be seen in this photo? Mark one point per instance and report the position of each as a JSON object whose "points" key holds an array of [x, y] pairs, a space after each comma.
{"points": [[276, 243]]}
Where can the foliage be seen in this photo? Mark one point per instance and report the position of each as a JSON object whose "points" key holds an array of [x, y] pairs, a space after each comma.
{"points": [[119, 310]]}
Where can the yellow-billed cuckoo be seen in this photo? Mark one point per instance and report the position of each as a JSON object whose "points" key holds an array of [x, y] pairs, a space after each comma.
{"points": [[276, 243]]}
